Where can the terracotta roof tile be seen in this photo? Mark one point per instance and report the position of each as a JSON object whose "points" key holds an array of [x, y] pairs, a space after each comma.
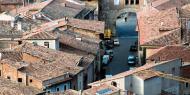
{"points": [[56, 63], [151, 23], [30, 9], [172, 52], [145, 75], [40, 36], [61, 8]]}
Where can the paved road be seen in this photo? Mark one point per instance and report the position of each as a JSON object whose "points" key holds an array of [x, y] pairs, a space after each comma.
{"points": [[125, 31]]}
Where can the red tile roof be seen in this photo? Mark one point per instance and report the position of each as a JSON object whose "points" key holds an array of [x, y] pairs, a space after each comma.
{"points": [[30, 9], [154, 24], [172, 52], [53, 63], [146, 75]]}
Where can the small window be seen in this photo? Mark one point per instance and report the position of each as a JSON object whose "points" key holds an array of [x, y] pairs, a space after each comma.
{"points": [[35, 43], [30, 80], [46, 44], [65, 87], [8, 77], [173, 70], [132, 2], [19, 42], [19, 79], [137, 2], [126, 2], [57, 89], [186, 85], [114, 83]]}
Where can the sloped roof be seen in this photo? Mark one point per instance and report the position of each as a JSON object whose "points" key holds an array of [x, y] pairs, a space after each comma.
{"points": [[7, 87], [185, 11], [170, 38], [61, 8], [30, 9], [40, 36], [154, 24], [11, 2], [81, 45], [56, 63], [172, 52], [96, 26]]}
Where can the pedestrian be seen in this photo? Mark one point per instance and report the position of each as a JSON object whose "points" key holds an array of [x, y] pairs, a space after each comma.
{"points": [[125, 19]]}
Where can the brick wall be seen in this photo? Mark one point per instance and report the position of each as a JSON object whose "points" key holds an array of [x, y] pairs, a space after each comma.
{"points": [[31, 81]]}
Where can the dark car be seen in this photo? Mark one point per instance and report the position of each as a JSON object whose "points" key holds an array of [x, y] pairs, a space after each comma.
{"points": [[109, 44], [133, 48]]}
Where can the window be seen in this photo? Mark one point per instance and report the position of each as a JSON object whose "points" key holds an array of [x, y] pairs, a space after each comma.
{"points": [[114, 83], [30, 80], [8, 77], [0, 72], [186, 85], [19, 79], [173, 70], [137, 2], [57, 89], [132, 2], [46, 44], [126, 2], [188, 24], [19, 42], [65, 87], [35, 43]]}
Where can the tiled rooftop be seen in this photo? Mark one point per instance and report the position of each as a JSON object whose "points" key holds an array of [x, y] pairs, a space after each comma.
{"points": [[172, 52], [30, 9], [154, 24], [56, 63], [145, 75], [7, 87], [61, 8]]}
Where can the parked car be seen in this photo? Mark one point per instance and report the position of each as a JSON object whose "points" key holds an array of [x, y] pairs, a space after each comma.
{"points": [[110, 52], [133, 48], [109, 44], [116, 42], [131, 60], [106, 59]]}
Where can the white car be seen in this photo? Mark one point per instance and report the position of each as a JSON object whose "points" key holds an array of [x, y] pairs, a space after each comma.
{"points": [[131, 60], [116, 42]]}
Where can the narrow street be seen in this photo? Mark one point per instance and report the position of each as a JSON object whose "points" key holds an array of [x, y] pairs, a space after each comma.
{"points": [[127, 36]]}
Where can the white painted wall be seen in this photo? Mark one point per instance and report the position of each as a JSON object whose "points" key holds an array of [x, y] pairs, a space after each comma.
{"points": [[5, 17], [53, 44], [152, 86], [138, 85], [171, 85]]}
